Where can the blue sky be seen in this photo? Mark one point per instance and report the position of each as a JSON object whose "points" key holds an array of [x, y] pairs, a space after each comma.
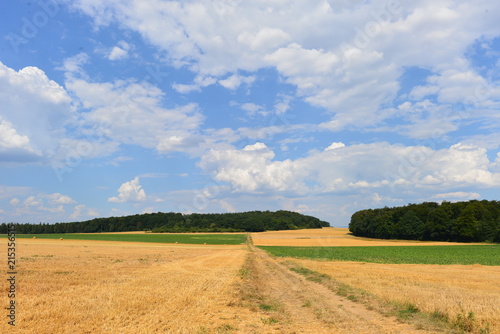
{"points": [[111, 108]]}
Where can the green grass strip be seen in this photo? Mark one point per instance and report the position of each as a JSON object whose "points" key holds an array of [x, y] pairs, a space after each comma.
{"points": [[209, 239], [488, 255]]}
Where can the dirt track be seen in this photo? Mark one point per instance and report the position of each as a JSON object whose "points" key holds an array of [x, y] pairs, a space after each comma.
{"points": [[302, 306]]}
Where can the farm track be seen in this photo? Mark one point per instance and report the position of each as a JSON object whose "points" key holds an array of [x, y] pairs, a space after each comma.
{"points": [[309, 307]]}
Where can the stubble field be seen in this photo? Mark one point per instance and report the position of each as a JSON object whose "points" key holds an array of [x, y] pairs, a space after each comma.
{"points": [[88, 286]]}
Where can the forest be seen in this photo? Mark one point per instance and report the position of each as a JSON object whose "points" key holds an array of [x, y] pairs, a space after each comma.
{"points": [[472, 221], [254, 221]]}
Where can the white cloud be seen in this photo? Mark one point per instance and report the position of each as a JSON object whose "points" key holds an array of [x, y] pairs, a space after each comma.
{"points": [[234, 81], [226, 206], [13, 146], [35, 111], [148, 210], [119, 51], [252, 169], [74, 65], [13, 192], [9, 138], [32, 201], [341, 168], [82, 212], [39, 119], [39, 207], [253, 108], [462, 195], [119, 160], [343, 56], [335, 146], [200, 81], [60, 199], [127, 112], [265, 39], [130, 191]]}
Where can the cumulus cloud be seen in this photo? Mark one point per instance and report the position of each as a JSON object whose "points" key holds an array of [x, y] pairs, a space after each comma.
{"points": [[252, 169], [458, 195], [60, 199], [35, 111], [15, 147], [39, 207], [127, 112], [39, 118], [341, 168], [334, 146], [14, 201], [234, 81], [119, 51], [82, 212], [130, 191], [346, 57]]}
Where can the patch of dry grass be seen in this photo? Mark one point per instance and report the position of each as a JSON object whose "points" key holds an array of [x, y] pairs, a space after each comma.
{"points": [[452, 291], [97, 287], [330, 236]]}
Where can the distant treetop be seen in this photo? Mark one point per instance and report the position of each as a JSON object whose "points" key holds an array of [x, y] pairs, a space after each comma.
{"points": [[473, 221], [254, 221]]}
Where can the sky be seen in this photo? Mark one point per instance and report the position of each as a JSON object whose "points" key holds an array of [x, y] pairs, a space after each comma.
{"points": [[323, 107]]}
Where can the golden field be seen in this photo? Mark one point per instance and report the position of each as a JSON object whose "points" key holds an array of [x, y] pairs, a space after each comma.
{"points": [[330, 237], [73, 286], [83, 286]]}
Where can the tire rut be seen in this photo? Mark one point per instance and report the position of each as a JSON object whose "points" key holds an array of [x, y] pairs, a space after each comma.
{"points": [[310, 307]]}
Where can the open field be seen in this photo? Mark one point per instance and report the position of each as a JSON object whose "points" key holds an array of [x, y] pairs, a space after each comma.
{"points": [[331, 236], [89, 286], [485, 254], [100, 286], [182, 238], [75, 286]]}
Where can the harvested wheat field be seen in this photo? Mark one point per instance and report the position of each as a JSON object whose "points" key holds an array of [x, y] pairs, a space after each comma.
{"points": [[81, 286], [88, 286], [452, 290], [75, 286], [330, 236]]}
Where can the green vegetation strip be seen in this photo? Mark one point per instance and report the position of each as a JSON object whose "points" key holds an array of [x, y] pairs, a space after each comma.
{"points": [[209, 239], [488, 255]]}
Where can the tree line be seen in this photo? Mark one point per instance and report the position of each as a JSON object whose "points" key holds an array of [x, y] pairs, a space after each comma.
{"points": [[254, 221], [472, 221]]}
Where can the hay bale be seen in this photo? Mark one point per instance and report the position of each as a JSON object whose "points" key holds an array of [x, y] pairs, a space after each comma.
{"points": [[60, 238], [34, 237]]}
